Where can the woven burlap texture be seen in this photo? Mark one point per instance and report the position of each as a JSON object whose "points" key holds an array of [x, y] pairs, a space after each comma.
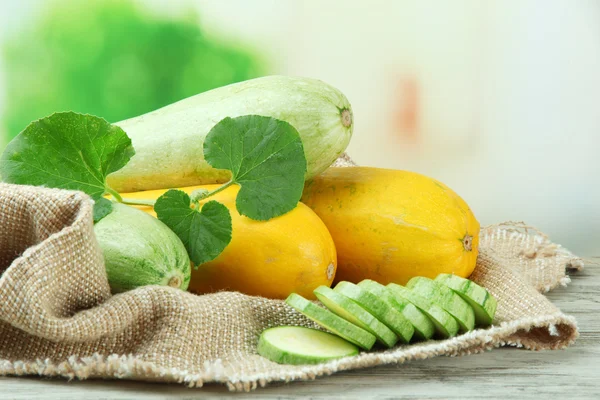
{"points": [[58, 317]]}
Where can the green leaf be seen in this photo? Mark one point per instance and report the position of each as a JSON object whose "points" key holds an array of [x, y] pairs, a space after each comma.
{"points": [[102, 207], [266, 158], [68, 151], [205, 232]]}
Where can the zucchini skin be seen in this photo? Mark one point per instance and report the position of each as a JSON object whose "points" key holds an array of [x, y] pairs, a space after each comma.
{"points": [[168, 142], [140, 250]]}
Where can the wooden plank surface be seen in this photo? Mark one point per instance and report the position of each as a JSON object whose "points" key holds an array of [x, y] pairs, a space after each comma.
{"points": [[502, 373]]}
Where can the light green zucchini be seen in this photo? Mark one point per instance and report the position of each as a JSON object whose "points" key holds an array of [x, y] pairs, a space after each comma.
{"points": [[140, 250], [168, 142]]}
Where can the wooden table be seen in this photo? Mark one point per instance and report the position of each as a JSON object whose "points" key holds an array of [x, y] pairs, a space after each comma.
{"points": [[502, 373]]}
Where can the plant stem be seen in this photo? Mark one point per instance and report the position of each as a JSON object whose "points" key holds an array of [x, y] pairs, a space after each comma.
{"points": [[145, 202], [114, 194], [138, 202], [219, 189]]}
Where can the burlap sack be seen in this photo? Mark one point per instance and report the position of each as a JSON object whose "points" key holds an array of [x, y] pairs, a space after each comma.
{"points": [[58, 318]]}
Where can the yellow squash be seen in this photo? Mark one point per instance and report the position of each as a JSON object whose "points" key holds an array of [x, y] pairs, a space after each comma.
{"points": [[391, 225], [293, 253]]}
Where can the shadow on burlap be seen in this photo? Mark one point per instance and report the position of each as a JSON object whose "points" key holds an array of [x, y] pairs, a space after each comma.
{"points": [[58, 317]]}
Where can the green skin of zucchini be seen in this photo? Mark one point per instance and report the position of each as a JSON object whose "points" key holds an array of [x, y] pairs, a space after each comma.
{"points": [[140, 250], [381, 310], [423, 327], [354, 313], [332, 322], [447, 299], [446, 325], [478, 297], [169, 141]]}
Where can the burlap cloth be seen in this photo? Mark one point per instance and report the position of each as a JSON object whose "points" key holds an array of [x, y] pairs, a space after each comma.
{"points": [[58, 317]]}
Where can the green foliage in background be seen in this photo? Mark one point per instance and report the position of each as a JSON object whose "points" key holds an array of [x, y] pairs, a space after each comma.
{"points": [[115, 60]]}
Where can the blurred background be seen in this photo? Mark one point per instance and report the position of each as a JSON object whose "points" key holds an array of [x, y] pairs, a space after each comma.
{"points": [[498, 99]]}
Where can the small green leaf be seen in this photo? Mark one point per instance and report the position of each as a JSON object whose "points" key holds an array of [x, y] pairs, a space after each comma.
{"points": [[102, 207], [67, 151], [266, 158], [205, 233]]}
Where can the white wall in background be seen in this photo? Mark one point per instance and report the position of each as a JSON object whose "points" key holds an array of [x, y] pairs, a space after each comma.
{"points": [[542, 117]]}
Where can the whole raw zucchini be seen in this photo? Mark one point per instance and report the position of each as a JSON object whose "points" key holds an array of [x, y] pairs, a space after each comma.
{"points": [[140, 250], [168, 142]]}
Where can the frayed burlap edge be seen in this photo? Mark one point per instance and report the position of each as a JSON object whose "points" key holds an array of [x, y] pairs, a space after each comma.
{"points": [[534, 256], [132, 368]]}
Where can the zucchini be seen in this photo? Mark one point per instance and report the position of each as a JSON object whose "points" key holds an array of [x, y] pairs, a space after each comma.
{"points": [[352, 312], [168, 142], [381, 310], [447, 299], [331, 322], [423, 326], [446, 325], [483, 303], [140, 250], [298, 345]]}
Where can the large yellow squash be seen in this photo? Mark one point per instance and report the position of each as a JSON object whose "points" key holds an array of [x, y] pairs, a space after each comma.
{"points": [[391, 225], [293, 253]]}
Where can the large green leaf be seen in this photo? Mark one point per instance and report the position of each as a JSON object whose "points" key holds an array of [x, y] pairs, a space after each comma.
{"points": [[67, 151], [266, 158]]}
